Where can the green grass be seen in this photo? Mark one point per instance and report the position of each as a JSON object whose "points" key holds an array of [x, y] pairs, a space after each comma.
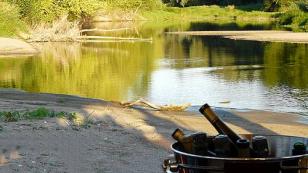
{"points": [[133, 4], [38, 11], [295, 16], [72, 119], [10, 22], [15, 13], [207, 13], [39, 113]]}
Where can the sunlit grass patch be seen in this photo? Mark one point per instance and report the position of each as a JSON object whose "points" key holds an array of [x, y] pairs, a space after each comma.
{"points": [[72, 119], [39, 113], [10, 23], [295, 16], [207, 13]]}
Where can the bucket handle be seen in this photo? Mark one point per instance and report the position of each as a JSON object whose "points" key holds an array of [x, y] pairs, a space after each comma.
{"points": [[170, 166], [173, 167], [298, 167], [207, 168]]}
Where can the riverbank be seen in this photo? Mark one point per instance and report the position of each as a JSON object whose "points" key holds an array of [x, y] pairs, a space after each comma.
{"points": [[118, 136], [16, 47], [265, 36], [63, 27]]}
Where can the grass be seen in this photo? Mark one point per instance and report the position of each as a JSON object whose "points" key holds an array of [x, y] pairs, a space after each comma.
{"points": [[295, 16], [45, 17], [39, 113], [10, 22], [125, 5], [59, 30], [208, 13], [75, 120]]}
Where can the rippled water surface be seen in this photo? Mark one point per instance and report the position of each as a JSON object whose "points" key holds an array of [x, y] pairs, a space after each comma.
{"points": [[171, 69]]}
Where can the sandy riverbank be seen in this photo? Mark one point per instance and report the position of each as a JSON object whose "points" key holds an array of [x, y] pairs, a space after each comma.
{"points": [[16, 47], [121, 140], [270, 36]]}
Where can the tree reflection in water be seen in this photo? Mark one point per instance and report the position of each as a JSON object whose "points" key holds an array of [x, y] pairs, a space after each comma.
{"points": [[172, 69]]}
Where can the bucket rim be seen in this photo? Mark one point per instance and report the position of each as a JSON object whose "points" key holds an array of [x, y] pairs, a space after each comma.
{"points": [[243, 159]]}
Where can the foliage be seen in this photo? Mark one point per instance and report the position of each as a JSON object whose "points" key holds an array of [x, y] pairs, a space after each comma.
{"points": [[73, 119], [281, 5], [39, 113], [133, 4], [59, 30], [295, 16], [212, 13], [35, 11], [9, 19], [12, 116], [185, 3]]}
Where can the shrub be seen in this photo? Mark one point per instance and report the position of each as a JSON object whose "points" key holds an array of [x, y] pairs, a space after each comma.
{"points": [[282, 5], [133, 4], [10, 23], [295, 15], [35, 11], [210, 2]]}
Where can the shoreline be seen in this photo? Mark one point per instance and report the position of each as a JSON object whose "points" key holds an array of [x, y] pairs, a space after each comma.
{"points": [[119, 136], [263, 36], [10, 47]]}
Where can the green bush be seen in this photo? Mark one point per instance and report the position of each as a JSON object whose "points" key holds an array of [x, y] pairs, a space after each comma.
{"points": [[35, 11], [10, 23], [185, 3], [282, 5], [134, 4], [295, 16]]}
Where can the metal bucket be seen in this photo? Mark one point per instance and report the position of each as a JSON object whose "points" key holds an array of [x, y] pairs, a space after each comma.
{"points": [[280, 159]]}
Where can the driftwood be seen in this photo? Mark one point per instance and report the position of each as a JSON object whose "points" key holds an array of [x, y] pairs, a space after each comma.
{"points": [[144, 103], [105, 30], [102, 38]]}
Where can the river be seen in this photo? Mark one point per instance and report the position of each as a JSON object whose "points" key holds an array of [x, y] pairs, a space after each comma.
{"points": [[170, 69]]}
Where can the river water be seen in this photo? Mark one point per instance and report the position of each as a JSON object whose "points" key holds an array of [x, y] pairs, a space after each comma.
{"points": [[170, 69]]}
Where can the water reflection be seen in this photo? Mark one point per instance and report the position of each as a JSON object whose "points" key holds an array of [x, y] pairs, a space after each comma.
{"points": [[250, 74], [172, 69], [232, 26], [112, 71]]}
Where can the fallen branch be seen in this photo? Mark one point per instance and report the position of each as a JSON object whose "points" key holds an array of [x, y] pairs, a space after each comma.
{"points": [[105, 30], [142, 102], [112, 38], [111, 41]]}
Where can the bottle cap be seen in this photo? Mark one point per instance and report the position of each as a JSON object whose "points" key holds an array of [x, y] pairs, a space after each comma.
{"points": [[199, 137], [242, 143], [259, 142], [299, 146], [177, 134], [257, 138]]}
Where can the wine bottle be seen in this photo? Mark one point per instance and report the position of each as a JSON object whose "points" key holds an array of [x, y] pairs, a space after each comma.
{"points": [[219, 125], [186, 141], [243, 149], [222, 146], [195, 143], [260, 146]]}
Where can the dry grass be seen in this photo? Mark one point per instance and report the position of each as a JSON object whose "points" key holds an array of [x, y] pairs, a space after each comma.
{"points": [[61, 30]]}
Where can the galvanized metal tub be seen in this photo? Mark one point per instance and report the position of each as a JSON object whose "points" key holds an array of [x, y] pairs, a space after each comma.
{"points": [[280, 159]]}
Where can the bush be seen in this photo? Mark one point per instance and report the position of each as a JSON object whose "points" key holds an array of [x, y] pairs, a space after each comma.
{"points": [[134, 4], [282, 5], [210, 2], [10, 23], [35, 11], [295, 15]]}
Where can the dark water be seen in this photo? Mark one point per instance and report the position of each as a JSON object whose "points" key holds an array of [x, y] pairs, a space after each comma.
{"points": [[171, 69]]}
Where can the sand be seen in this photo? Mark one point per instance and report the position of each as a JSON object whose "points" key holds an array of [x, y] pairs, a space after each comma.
{"points": [[120, 140], [14, 47], [268, 36]]}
